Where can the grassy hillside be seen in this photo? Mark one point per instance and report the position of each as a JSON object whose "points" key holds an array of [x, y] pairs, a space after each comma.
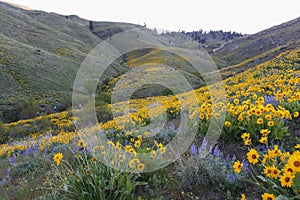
{"points": [[273, 40], [41, 52], [37, 62], [262, 115], [276, 78], [244, 145]]}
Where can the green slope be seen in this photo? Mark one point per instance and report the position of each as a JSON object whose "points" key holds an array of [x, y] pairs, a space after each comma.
{"points": [[274, 40], [41, 52]]}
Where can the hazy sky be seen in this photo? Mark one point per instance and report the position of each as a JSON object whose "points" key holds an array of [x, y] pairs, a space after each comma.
{"points": [[246, 16]]}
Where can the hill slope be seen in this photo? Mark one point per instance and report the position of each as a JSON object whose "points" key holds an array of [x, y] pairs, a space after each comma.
{"points": [[41, 52], [273, 40]]}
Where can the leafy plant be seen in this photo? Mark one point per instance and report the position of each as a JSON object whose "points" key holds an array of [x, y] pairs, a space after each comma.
{"points": [[91, 179], [4, 136]]}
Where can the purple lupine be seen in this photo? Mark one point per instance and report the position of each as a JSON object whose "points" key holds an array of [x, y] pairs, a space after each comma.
{"points": [[217, 152], [46, 150], [126, 142], [271, 100], [263, 148], [230, 176], [172, 127], [26, 152], [227, 159], [233, 158], [208, 160], [281, 147], [30, 150], [179, 129], [74, 151], [245, 165], [86, 151], [8, 171], [34, 150], [14, 159], [193, 149]]}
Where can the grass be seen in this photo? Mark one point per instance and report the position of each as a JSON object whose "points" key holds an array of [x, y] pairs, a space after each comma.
{"points": [[182, 179], [39, 68], [28, 177], [40, 54], [250, 46]]}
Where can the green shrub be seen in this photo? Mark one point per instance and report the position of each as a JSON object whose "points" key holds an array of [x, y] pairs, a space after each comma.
{"points": [[172, 113], [157, 182], [213, 172], [166, 92], [34, 165], [28, 109], [89, 179], [18, 132], [4, 136]]}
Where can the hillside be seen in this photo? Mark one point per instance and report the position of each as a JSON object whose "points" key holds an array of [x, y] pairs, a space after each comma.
{"points": [[262, 99], [143, 123], [211, 40], [274, 41], [41, 52], [230, 49], [38, 61]]}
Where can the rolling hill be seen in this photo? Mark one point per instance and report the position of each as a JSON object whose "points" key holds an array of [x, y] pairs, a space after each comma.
{"points": [[232, 139], [261, 46], [40, 54]]}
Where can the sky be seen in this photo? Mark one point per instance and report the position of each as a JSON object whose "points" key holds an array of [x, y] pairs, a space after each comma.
{"points": [[243, 16]]}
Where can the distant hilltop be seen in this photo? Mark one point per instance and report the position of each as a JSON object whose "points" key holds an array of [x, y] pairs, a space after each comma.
{"points": [[17, 5]]}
